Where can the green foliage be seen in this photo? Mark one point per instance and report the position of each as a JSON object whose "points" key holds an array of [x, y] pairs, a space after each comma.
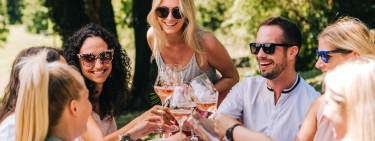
{"points": [[14, 8], [3, 23], [35, 16], [123, 12]]}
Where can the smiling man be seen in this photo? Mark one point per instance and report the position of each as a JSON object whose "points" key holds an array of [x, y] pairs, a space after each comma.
{"points": [[276, 102]]}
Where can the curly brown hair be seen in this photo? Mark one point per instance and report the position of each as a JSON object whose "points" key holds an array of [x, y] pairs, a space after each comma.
{"points": [[116, 90]]}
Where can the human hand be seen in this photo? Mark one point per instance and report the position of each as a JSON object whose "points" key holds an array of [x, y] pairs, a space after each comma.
{"points": [[178, 137], [146, 126], [156, 111], [222, 123]]}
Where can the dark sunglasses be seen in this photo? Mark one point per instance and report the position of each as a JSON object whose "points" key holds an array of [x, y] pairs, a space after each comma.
{"points": [[89, 59], [268, 48], [163, 12], [323, 54]]}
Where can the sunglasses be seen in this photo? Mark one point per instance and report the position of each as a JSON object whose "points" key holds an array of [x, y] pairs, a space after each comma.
{"points": [[89, 59], [323, 54], [163, 12], [268, 48]]}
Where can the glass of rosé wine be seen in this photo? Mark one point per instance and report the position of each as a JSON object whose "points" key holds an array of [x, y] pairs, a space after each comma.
{"points": [[169, 77], [205, 93], [180, 105]]}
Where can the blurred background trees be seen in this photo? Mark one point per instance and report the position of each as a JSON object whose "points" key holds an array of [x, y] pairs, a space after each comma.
{"points": [[3, 22], [234, 22]]}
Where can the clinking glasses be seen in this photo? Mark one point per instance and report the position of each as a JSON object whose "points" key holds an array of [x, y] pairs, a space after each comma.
{"points": [[323, 54], [163, 12], [268, 48], [89, 59]]}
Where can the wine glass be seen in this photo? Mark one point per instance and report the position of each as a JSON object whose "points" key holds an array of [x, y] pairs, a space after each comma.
{"points": [[168, 78], [205, 93], [180, 105]]}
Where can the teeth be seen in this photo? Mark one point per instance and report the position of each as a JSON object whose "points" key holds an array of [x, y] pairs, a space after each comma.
{"points": [[98, 72], [171, 24], [265, 63]]}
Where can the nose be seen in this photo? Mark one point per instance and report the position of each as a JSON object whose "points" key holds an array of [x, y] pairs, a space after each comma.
{"points": [[98, 63], [170, 16], [319, 64], [261, 54]]}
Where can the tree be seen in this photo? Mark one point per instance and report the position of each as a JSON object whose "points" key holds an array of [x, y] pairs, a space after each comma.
{"points": [[35, 15], [14, 11], [68, 16], [142, 80], [3, 22], [100, 12]]}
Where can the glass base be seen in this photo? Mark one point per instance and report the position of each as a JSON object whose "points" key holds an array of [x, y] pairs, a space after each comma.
{"points": [[161, 131]]}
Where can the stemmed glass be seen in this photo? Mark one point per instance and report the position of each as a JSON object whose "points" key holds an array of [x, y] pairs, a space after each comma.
{"points": [[205, 93], [180, 105], [168, 78]]}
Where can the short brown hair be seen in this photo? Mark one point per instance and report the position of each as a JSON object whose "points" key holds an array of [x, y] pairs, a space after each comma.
{"points": [[292, 34]]}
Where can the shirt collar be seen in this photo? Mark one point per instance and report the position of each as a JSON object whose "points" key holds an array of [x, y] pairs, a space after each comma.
{"points": [[289, 89]]}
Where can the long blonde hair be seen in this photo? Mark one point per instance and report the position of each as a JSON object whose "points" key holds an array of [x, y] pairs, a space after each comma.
{"points": [[351, 34], [353, 84], [191, 29], [45, 90]]}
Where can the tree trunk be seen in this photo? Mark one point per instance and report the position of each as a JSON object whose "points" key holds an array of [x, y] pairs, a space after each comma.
{"points": [[68, 16], [100, 12], [142, 75]]}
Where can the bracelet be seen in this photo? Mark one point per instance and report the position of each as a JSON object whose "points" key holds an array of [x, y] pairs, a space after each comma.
{"points": [[125, 137], [230, 132]]}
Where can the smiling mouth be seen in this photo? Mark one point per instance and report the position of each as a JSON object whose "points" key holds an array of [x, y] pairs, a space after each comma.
{"points": [[98, 72], [168, 24], [265, 63]]}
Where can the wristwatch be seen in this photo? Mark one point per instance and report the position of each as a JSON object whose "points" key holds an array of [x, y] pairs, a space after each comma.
{"points": [[230, 132], [125, 137]]}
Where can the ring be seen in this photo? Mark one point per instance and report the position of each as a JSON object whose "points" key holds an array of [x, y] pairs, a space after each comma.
{"points": [[160, 112]]}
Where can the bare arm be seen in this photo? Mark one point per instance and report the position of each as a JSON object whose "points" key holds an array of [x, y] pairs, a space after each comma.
{"points": [[309, 125], [218, 57], [93, 133], [223, 122]]}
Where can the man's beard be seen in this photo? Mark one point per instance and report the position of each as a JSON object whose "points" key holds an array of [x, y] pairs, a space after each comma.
{"points": [[278, 69]]}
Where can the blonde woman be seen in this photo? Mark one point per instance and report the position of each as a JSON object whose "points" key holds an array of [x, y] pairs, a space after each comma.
{"points": [[176, 38], [346, 38], [52, 101], [350, 97]]}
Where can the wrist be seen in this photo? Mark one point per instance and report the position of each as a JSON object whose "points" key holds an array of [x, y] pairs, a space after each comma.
{"points": [[229, 132], [126, 137]]}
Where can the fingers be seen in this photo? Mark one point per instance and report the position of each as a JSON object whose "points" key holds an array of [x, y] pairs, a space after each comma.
{"points": [[167, 113]]}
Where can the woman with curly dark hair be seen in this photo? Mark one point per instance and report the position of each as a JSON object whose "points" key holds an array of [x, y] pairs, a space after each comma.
{"points": [[106, 69]]}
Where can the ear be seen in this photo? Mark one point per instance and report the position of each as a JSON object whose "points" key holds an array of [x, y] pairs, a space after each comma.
{"points": [[292, 52], [73, 109], [356, 53]]}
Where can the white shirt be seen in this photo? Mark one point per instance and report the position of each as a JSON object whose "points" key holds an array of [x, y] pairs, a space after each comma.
{"points": [[253, 99], [8, 128]]}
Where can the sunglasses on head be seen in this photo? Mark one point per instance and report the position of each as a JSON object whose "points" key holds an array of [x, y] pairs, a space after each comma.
{"points": [[163, 12], [268, 48], [323, 54], [89, 59]]}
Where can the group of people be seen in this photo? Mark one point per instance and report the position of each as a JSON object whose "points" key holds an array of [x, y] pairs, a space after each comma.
{"points": [[76, 93]]}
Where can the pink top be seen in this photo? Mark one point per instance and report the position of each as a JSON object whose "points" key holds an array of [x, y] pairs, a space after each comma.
{"points": [[324, 130], [107, 125]]}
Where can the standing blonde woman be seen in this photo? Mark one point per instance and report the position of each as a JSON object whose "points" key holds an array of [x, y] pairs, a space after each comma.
{"points": [[176, 38], [350, 97], [346, 38]]}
